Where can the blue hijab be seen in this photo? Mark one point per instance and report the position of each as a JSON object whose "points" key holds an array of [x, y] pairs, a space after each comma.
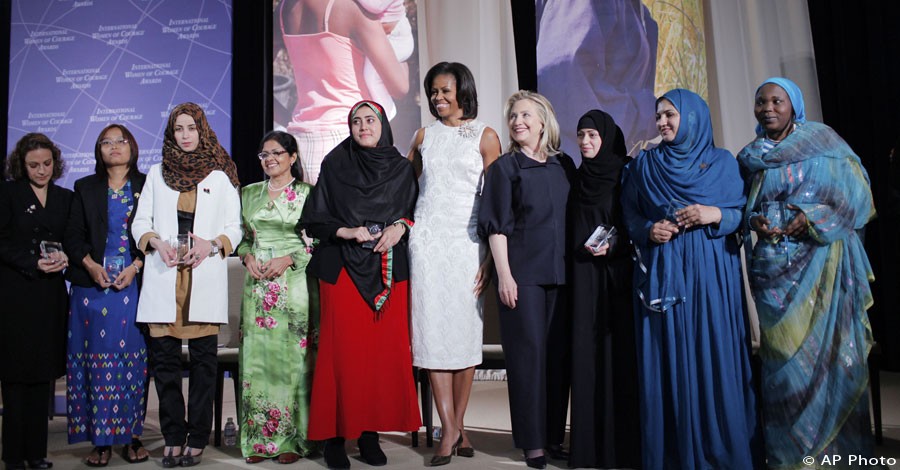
{"points": [[685, 169], [690, 169], [793, 92]]}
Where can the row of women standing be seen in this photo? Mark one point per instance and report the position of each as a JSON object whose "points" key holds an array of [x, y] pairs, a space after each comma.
{"points": [[106, 237], [687, 331], [681, 204]]}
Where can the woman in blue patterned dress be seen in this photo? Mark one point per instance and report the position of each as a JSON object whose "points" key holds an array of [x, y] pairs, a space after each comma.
{"points": [[810, 276], [106, 367]]}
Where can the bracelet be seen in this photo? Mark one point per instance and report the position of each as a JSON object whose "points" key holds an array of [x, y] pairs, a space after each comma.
{"points": [[137, 269], [405, 222]]}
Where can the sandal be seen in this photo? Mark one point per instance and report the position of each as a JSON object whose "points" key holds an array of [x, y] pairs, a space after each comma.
{"points": [[133, 449], [170, 460], [99, 452], [189, 458]]}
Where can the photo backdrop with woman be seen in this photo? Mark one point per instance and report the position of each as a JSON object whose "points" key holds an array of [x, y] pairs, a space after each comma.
{"points": [[618, 56], [397, 20]]}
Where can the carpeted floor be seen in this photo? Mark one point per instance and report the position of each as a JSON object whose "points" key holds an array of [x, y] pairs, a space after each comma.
{"points": [[487, 424]]}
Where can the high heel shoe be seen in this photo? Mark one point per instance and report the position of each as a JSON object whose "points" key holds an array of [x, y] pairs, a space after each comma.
{"points": [[189, 458], [467, 452], [438, 460]]}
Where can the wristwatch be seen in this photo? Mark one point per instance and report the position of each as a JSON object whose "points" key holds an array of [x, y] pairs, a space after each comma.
{"points": [[213, 248]]}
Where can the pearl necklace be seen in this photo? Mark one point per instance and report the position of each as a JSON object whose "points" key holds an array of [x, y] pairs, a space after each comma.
{"points": [[281, 188]]}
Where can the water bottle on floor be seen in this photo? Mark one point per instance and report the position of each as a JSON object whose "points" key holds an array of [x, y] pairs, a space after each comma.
{"points": [[230, 433]]}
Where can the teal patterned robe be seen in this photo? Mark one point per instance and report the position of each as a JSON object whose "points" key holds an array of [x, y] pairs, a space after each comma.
{"points": [[812, 295]]}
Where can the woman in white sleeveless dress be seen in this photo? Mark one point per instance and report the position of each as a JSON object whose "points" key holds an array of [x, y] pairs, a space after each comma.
{"points": [[449, 264]]}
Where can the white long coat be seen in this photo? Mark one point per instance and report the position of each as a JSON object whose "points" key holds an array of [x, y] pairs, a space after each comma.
{"points": [[218, 212]]}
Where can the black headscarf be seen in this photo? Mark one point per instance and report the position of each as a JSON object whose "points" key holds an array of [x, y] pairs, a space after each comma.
{"points": [[596, 200], [600, 175], [357, 186]]}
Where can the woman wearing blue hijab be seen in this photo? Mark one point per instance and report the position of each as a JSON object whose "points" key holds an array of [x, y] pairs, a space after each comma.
{"points": [[681, 201], [810, 276]]}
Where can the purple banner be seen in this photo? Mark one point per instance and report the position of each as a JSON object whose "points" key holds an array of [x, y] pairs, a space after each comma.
{"points": [[78, 66]]}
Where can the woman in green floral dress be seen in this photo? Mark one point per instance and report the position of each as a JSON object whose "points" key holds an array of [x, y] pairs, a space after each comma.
{"points": [[279, 312]]}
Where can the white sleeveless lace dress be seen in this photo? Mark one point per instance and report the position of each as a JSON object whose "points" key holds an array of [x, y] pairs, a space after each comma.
{"points": [[445, 251]]}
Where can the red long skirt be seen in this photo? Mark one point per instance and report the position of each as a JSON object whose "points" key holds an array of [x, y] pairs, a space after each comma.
{"points": [[363, 377]]}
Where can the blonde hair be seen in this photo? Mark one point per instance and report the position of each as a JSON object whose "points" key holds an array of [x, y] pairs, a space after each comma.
{"points": [[549, 143]]}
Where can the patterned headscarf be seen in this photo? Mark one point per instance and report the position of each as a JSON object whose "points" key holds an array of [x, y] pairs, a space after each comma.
{"points": [[793, 92], [181, 170]]}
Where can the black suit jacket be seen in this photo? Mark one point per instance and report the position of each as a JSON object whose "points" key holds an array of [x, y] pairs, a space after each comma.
{"points": [[33, 314], [88, 223]]}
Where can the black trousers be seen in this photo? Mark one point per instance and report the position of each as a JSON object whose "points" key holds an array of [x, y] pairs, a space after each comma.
{"points": [[165, 355], [25, 412], [534, 337]]}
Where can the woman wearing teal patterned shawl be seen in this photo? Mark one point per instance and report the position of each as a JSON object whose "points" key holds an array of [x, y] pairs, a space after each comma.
{"points": [[810, 279]]}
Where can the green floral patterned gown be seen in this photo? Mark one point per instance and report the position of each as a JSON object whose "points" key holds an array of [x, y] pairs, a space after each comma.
{"points": [[279, 327]]}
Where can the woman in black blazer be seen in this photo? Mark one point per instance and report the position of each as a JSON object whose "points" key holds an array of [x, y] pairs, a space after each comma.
{"points": [[105, 274], [33, 319], [523, 217]]}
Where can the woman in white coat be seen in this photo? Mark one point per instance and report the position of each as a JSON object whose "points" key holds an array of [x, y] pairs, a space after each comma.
{"points": [[191, 193]]}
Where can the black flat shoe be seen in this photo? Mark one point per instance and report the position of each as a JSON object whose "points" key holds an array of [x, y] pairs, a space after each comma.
{"points": [[370, 450], [15, 466], [557, 452], [335, 454], [538, 462], [42, 463]]}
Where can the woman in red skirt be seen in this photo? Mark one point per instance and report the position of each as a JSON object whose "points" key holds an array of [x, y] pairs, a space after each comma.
{"points": [[361, 211]]}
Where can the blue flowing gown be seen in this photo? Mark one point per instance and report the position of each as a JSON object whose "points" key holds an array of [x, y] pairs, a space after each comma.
{"points": [[696, 397]]}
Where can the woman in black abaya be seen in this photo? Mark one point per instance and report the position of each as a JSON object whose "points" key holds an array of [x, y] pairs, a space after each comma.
{"points": [[605, 426]]}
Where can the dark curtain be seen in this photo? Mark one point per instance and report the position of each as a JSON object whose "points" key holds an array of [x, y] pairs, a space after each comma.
{"points": [[857, 50], [5, 18], [251, 85], [525, 33]]}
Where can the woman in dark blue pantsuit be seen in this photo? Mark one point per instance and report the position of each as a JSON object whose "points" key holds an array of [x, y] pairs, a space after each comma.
{"points": [[523, 216]]}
